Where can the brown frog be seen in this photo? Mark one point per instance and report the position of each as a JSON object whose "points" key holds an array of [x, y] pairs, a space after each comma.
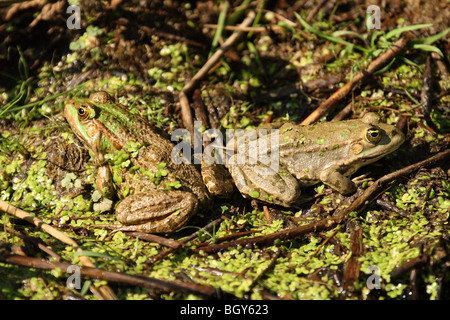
{"points": [[157, 195]]}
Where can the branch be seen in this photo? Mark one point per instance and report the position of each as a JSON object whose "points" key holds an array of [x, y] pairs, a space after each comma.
{"points": [[339, 95], [189, 86], [4, 206], [95, 273]]}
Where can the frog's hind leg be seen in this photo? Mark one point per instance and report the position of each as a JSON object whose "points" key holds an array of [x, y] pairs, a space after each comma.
{"points": [[265, 183], [157, 211]]}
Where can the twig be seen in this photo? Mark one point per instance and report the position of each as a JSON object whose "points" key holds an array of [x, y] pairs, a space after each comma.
{"points": [[440, 62], [352, 266], [199, 107], [320, 246], [336, 97], [388, 206], [217, 272], [245, 29], [4, 206], [165, 253], [151, 31], [316, 9], [34, 241], [229, 237], [344, 113], [41, 245], [281, 18], [267, 215], [378, 185], [155, 238], [418, 261], [271, 238], [269, 267], [402, 123], [328, 223], [189, 87], [426, 95], [96, 273]]}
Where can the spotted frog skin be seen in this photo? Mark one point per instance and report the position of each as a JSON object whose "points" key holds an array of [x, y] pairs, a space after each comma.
{"points": [[329, 152], [157, 196]]}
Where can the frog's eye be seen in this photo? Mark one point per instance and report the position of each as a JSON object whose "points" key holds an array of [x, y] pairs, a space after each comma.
{"points": [[83, 112], [373, 135]]}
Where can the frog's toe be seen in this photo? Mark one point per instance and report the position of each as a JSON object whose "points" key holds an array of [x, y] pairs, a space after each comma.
{"points": [[359, 180]]}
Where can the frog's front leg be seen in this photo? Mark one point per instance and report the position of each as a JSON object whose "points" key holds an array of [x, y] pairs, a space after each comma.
{"points": [[266, 183], [336, 180], [156, 211]]}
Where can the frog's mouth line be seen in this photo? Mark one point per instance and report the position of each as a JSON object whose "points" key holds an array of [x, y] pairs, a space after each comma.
{"points": [[368, 160]]}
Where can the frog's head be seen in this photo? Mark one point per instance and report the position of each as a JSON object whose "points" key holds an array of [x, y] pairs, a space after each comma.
{"points": [[80, 114], [378, 139], [88, 120]]}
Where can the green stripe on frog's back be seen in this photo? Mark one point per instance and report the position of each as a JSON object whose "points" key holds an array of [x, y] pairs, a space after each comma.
{"points": [[114, 117], [125, 126], [120, 122]]}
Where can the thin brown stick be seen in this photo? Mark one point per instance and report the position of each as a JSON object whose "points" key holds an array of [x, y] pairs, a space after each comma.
{"points": [[281, 17], [245, 29], [96, 273], [418, 261], [344, 113], [199, 108], [342, 216], [427, 95], [41, 245], [386, 205], [321, 246], [166, 252], [153, 31], [316, 10], [155, 238], [186, 113], [352, 266], [326, 107], [229, 237], [31, 240], [4, 206], [271, 238], [262, 273], [440, 62]]}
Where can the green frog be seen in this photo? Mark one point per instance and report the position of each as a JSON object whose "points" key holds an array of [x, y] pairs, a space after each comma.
{"points": [[329, 152], [157, 195]]}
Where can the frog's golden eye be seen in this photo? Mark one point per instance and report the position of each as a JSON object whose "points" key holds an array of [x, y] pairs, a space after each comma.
{"points": [[373, 135], [83, 112]]}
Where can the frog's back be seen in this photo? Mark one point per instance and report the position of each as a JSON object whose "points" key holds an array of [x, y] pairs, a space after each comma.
{"points": [[159, 149]]}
